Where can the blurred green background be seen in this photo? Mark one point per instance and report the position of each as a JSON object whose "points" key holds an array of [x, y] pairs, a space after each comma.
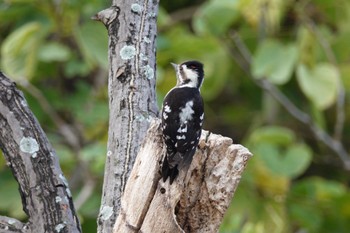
{"points": [[294, 182]]}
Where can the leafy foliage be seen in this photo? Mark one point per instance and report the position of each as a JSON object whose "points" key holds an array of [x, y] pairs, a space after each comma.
{"points": [[320, 84], [274, 62], [294, 182]]}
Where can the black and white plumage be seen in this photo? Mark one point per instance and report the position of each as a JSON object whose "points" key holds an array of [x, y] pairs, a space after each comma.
{"points": [[182, 118]]}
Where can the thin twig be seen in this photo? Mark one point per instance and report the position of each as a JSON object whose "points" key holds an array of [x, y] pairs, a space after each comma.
{"points": [[245, 63]]}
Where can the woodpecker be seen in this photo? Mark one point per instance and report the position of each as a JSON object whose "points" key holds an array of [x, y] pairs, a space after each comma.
{"points": [[182, 118]]}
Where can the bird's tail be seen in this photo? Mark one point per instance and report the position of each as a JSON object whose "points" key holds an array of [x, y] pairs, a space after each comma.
{"points": [[168, 171]]}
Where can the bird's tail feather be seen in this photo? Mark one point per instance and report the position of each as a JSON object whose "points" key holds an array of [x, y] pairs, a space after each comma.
{"points": [[167, 171]]}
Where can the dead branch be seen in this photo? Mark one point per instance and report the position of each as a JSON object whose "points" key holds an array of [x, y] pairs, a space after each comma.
{"points": [[196, 201]]}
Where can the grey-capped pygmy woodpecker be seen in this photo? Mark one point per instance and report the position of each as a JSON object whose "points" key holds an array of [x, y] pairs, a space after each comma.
{"points": [[182, 118]]}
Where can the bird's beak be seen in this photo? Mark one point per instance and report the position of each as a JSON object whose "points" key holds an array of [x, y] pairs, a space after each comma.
{"points": [[174, 65]]}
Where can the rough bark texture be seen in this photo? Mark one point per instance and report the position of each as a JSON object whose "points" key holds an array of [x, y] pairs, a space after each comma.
{"points": [[196, 201], [44, 190], [132, 31]]}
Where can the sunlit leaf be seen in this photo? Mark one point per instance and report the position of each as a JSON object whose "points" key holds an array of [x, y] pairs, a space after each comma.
{"points": [[19, 51], [53, 52], [320, 84], [274, 61]]}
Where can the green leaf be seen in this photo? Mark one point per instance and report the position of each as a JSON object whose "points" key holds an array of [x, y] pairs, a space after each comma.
{"points": [[53, 52], [276, 147], [273, 134], [306, 216], [19, 51], [319, 189], [290, 164], [94, 43], [319, 205], [215, 17], [297, 160], [274, 61], [320, 84]]}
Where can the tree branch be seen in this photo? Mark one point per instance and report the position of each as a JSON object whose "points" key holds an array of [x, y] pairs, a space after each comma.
{"points": [[243, 57], [44, 190], [198, 198], [8, 225]]}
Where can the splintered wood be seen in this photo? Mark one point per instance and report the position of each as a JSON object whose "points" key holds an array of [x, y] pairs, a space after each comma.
{"points": [[198, 198]]}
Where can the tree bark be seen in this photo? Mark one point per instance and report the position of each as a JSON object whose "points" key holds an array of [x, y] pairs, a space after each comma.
{"points": [[44, 190], [132, 32], [196, 201]]}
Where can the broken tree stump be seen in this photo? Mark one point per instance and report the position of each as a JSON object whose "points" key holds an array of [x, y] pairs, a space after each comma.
{"points": [[198, 198]]}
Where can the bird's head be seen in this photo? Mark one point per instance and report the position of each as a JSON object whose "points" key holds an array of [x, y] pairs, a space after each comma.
{"points": [[189, 74]]}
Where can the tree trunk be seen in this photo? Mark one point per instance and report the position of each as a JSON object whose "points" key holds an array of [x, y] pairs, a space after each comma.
{"points": [[196, 201], [132, 32], [46, 197]]}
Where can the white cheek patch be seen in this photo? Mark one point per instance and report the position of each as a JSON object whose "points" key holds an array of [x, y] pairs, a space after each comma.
{"points": [[191, 75]]}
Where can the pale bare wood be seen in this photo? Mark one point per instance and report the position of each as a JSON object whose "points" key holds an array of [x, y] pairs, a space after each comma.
{"points": [[196, 201], [142, 183]]}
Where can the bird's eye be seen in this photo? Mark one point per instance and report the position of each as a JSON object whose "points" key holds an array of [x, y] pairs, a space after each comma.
{"points": [[193, 67]]}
